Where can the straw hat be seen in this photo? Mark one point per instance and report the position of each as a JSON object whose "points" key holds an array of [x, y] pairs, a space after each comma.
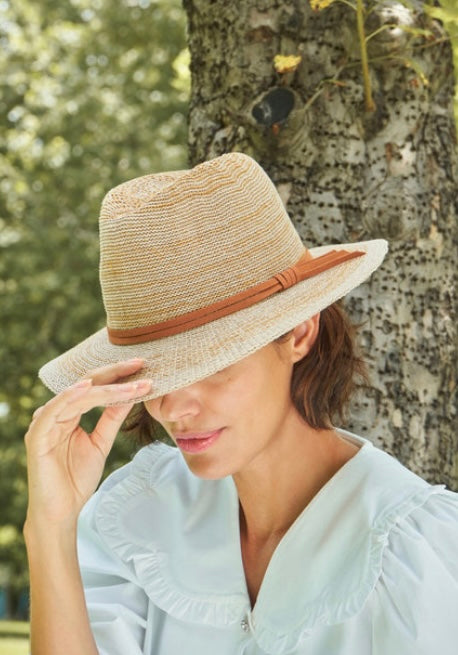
{"points": [[200, 268]]}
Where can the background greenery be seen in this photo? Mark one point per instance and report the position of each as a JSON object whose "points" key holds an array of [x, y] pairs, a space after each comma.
{"points": [[92, 92], [14, 638]]}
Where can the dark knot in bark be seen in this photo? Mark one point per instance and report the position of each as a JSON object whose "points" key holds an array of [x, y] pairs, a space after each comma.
{"points": [[274, 108]]}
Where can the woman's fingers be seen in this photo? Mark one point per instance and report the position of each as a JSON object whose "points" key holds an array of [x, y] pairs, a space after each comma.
{"points": [[108, 425], [107, 394], [68, 406], [44, 418], [113, 372], [59, 408], [37, 413]]}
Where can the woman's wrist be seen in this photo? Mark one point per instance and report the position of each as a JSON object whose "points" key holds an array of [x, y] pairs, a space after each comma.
{"points": [[58, 608], [50, 535]]}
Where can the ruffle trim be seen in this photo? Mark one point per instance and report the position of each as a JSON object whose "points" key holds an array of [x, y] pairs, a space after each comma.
{"points": [[150, 565], [327, 610]]}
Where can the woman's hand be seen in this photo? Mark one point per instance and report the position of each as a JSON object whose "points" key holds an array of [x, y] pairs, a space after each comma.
{"points": [[65, 463]]}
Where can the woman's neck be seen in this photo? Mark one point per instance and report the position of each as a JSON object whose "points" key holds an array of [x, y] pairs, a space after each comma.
{"points": [[276, 487]]}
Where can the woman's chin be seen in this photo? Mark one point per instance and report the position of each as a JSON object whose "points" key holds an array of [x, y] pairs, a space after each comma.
{"points": [[206, 467]]}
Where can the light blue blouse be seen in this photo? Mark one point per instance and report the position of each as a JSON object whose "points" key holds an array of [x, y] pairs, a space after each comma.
{"points": [[370, 567]]}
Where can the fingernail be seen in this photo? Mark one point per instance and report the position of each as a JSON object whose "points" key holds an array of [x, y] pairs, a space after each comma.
{"points": [[135, 360]]}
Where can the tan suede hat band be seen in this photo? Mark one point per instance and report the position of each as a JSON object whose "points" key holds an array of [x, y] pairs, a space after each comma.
{"points": [[305, 268]]}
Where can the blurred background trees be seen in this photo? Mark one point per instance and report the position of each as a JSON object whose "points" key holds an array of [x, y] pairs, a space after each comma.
{"points": [[92, 92]]}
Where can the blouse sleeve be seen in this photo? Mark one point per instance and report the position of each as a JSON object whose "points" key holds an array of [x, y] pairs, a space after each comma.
{"points": [[415, 602], [117, 606]]}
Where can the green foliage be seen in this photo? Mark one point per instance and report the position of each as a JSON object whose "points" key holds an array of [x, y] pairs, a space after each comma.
{"points": [[91, 93], [14, 646]]}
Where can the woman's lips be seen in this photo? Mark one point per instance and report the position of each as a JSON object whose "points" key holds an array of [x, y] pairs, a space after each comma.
{"points": [[196, 442]]}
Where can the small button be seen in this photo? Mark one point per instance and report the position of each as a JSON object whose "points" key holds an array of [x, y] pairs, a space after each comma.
{"points": [[244, 625]]}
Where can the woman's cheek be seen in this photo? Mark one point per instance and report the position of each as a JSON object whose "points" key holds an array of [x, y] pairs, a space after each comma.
{"points": [[153, 408]]}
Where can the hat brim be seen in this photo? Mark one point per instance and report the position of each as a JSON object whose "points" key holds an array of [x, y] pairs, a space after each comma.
{"points": [[177, 361]]}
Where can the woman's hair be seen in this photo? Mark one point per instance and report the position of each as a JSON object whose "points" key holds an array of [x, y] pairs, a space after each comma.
{"points": [[324, 381], [321, 385]]}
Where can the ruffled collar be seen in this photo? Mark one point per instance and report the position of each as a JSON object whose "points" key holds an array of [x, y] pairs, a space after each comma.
{"points": [[180, 536]]}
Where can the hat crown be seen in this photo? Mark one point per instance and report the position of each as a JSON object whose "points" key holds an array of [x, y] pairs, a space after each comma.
{"points": [[172, 243]]}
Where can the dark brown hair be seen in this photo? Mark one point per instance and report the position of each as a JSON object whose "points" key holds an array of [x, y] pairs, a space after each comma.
{"points": [[322, 383], [141, 425]]}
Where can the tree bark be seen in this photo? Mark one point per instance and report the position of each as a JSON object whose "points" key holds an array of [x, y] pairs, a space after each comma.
{"points": [[349, 174]]}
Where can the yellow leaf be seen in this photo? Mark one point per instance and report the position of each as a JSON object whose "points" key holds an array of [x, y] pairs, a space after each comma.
{"points": [[318, 5], [286, 63]]}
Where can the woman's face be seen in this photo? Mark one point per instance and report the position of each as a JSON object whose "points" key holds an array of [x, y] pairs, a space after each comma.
{"points": [[223, 423]]}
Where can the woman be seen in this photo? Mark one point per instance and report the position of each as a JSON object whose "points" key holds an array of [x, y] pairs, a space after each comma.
{"points": [[267, 530]]}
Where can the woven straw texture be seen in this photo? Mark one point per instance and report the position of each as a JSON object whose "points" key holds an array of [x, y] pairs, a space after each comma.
{"points": [[176, 242]]}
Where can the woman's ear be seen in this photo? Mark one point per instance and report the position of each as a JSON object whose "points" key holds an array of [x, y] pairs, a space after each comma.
{"points": [[303, 336]]}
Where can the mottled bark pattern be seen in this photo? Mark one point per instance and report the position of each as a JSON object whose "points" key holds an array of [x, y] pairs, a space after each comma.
{"points": [[346, 175]]}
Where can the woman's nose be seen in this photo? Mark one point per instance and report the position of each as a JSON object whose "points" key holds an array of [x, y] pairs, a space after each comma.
{"points": [[179, 404]]}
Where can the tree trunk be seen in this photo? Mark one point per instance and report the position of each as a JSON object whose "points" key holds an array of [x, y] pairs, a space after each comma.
{"points": [[347, 172]]}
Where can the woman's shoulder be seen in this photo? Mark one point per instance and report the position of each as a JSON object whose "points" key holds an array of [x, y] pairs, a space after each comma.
{"points": [[412, 532], [396, 505], [414, 601], [171, 533], [384, 480], [383, 546]]}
